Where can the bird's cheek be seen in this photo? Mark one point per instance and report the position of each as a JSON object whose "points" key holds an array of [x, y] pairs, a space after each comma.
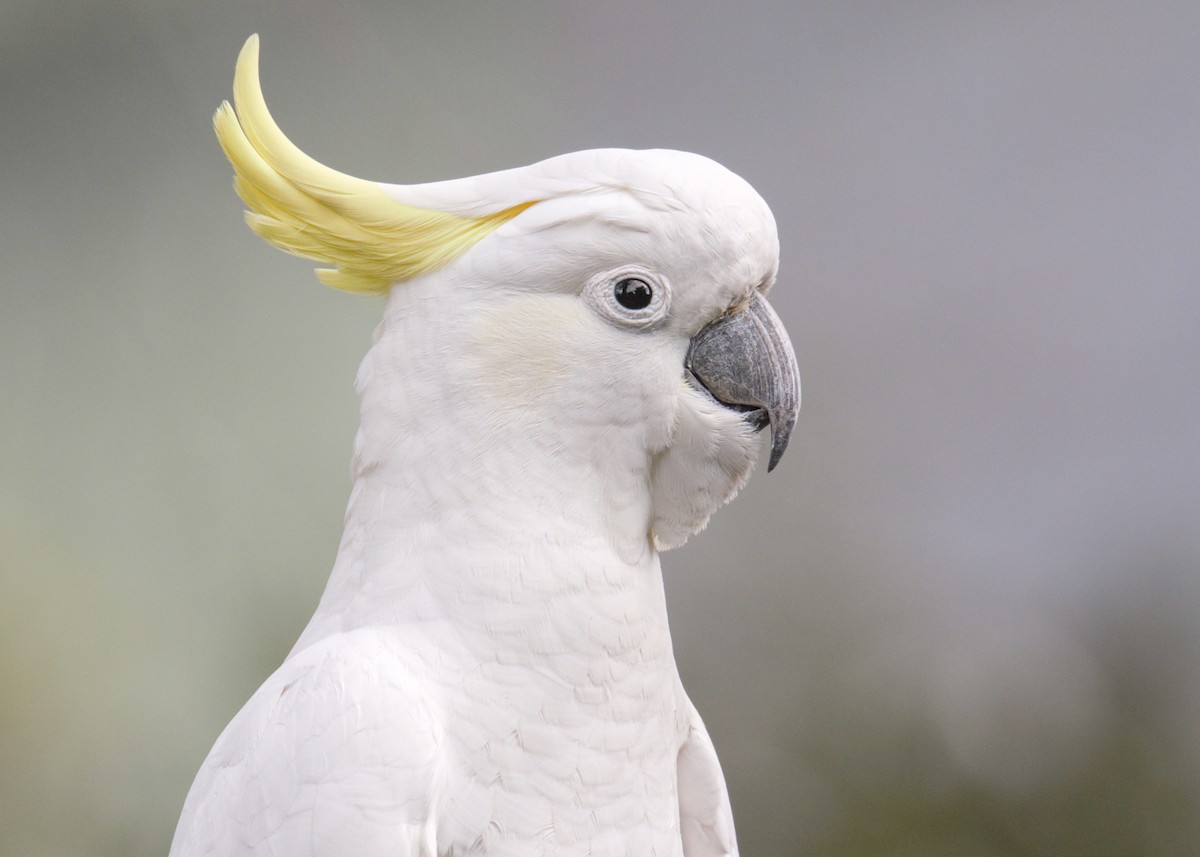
{"points": [[520, 355], [711, 455]]}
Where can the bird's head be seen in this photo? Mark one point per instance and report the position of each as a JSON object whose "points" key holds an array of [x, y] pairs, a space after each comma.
{"points": [[607, 308]]}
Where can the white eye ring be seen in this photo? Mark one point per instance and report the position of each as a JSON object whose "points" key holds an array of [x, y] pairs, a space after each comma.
{"points": [[620, 296]]}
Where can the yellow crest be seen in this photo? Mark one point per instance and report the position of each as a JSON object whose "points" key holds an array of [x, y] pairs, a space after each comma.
{"points": [[310, 210]]}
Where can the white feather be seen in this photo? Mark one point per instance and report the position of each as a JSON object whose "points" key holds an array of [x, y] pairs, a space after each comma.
{"points": [[490, 668]]}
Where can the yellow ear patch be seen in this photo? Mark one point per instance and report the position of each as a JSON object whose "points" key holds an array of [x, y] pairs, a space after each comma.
{"points": [[310, 210]]}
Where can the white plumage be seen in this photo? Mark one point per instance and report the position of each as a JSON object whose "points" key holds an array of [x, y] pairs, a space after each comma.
{"points": [[490, 669]]}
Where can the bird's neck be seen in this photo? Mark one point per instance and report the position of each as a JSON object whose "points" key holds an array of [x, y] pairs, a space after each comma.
{"points": [[468, 516]]}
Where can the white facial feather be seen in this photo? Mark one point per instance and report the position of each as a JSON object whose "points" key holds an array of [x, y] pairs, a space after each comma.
{"points": [[554, 365]]}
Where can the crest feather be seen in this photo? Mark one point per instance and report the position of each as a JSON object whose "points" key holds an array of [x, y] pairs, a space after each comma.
{"points": [[310, 210]]}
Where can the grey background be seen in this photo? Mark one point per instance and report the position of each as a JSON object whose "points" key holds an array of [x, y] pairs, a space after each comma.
{"points": [[960, 619]]}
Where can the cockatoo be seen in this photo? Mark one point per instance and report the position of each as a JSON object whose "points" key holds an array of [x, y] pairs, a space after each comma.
{"points": [[574, 363]]}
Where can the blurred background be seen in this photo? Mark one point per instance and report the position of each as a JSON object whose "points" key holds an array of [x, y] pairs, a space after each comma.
{"points": [[962, 618]]}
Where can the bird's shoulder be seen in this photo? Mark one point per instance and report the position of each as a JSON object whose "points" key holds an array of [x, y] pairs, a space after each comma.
{"points": [[705, 817], [342, 744]]}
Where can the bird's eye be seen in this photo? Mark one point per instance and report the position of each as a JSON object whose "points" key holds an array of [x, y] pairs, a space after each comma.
{"points": [[633, 293], [630, 296]]}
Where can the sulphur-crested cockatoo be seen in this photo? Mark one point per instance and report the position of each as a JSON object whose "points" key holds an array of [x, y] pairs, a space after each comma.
{"points": [[573, 365]]}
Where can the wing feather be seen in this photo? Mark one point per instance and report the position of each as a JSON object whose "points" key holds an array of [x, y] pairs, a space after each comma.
{"points": [[705, 816], [337, 754]]}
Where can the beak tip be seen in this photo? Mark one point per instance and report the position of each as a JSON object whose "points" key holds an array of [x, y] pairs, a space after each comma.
{"points": [[778, 447], [783, 422]]}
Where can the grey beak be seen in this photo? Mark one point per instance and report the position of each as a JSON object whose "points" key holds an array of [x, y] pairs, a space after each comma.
{"points": [[745, 360]]}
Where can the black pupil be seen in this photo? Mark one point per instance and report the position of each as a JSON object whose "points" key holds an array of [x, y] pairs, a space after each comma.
{"points": [[633, 294]]}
